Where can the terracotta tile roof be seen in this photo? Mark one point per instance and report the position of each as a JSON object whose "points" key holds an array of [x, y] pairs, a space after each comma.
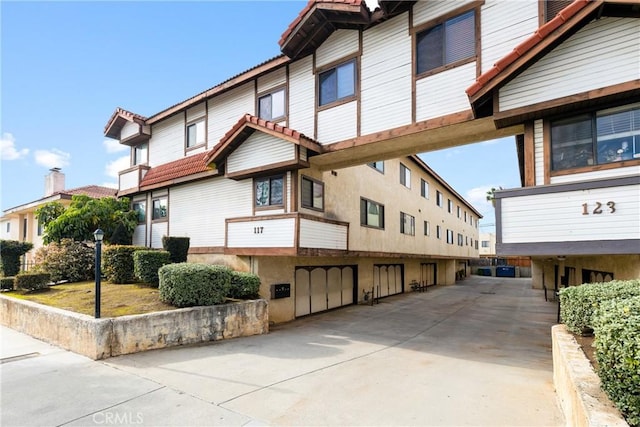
{"points": [[93, 191], [177, 169], [121, 112], [541, 33], [231, 139], [310, 5]]}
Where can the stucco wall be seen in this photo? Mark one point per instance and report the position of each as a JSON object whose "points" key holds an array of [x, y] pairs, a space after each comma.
{"points": [[623, 267]]}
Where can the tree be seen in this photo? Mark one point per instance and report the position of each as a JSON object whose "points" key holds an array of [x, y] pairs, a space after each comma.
{"points": [[491, 195], [10, 253], [84, 215]]}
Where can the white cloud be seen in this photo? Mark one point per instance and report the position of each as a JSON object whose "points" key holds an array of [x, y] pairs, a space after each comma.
{"points": [[8, 149], [478, 196], [53, 158], [110, 184], [116, 166], [113, 146]]}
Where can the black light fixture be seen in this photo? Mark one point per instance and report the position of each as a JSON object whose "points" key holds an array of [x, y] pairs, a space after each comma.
{"points": [[98, 235]]}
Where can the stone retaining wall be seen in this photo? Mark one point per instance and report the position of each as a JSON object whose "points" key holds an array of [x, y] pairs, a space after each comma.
{"points": [[578, 386], [107, 337]]}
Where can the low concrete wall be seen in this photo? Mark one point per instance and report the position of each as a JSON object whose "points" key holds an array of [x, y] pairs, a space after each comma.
{"points": [[578, 386], [102, 338]]}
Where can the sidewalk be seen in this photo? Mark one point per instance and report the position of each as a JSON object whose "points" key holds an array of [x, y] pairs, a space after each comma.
{"points": [[477, 353]]}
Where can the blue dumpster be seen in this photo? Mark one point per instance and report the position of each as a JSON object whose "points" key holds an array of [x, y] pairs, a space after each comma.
{"points": [[484, 271], [506, 271]]}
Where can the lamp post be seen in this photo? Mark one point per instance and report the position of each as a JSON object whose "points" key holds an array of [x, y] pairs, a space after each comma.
{"points": [[98, 235]]}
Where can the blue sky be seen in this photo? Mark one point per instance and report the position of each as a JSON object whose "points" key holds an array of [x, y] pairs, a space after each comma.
{"points": [[66, 66]]}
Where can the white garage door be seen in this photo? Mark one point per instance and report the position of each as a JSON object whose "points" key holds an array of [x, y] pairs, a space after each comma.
{"points": [[387, 279], [321, 288]]}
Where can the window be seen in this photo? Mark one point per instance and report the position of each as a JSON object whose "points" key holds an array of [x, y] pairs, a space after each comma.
{"points": [[160, 208], [196, 134], [140, 208], [424, 188], [439, 198], [269, 191], [39, 229], [8, 227], [465, 216], [379, 166], [140, 154], [272, 106], [485, 243], [459, 211], [405, 176], [407, 224], [449, 206], [427, 228], [449, 42], [450, 236], [371, 214], [312, 194], [476, 244], [24, 229], [438, 232], [460, 240], [338, 83], [599, 138]]}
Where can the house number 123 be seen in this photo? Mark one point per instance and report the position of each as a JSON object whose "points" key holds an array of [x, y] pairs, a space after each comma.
{"points": [[598, 208]]}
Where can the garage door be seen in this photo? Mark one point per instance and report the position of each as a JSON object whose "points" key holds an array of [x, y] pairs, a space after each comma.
{"points": [[388, 279], [321, 288]]}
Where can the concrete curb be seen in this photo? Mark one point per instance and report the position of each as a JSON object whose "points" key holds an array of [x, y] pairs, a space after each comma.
{"points": [[578, 386], [102, 338]]}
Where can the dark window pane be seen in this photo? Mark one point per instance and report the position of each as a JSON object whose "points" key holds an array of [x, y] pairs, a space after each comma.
{"points": [[328, 87], [346, 80], [276, 191], [307, 189], [429, 49], [571, 143], [262, 192], [265, 107]]}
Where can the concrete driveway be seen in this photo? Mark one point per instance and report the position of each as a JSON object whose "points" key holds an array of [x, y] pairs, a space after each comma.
{"points": [[477, 353]]}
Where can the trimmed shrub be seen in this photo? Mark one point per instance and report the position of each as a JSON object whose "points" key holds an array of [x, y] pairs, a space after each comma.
{"points": [[178, 247], [147, 263], [32, 281], [617, 329], [10, 253], [6, 283], [68, 260], [188, 284], [578, 303], [244, 285], [117, 263]]}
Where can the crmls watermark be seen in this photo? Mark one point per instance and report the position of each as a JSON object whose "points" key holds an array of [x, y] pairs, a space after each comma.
{"points": [[111, 418]]}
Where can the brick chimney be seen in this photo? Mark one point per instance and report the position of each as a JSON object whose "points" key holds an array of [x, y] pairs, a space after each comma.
{"points": [[53, 182]]}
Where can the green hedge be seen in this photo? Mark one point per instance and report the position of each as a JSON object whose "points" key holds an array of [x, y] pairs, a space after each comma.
{"points": [[6, 283], [578, 303], [244, 285], [147, 263], [32, 281], [178, 247], [117, 263], [189, 284], [10, 253], [68, 260], [617, 329]]}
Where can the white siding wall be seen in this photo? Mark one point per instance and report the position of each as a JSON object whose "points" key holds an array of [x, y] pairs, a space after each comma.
{"points": [[275, 233], [338, 123], [139, 235], [538, 144], [129, 129], [386, 76], [158, 230], [558, 217], [226, 109], [608, 48], [273, 79], [196, 112], [315, 234], [504, 24], [424, 11], [167, 142], [260, 149], [339, 44], [302, 96], [199, 210], [129, 180], [586, 176], [443, 93]]}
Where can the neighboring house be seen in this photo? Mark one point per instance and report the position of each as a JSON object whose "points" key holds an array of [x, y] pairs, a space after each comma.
{"points": [[574, 86], [20, 223], [487, 247]]}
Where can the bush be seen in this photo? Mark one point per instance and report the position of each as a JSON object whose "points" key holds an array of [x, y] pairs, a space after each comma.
{"points": [[68, 260], [10, 253], [117, 263], [147, 263], [244, 285], [578, 303], [187, 284], [178, 247], [32, 281], [617, 342], [6, 283]]}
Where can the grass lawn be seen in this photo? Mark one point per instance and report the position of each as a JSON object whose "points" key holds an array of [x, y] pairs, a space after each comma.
{"points": [[116, 300]]}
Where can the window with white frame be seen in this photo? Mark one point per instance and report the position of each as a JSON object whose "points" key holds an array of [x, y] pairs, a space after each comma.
{"points": [[449, 205], [272, 105], [424, 188], [439, 198], [140, 154], [485, 243], [379, 165], [338, 83], [39, 228], [460, 240], [407, 224], [140, 208], [371, 213], [160, 210], [447, 43], [405, 176], [459, 211], [269, 191], [450, 236], [438, 232], [427, 228], [196, 133], [312, 194]]}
